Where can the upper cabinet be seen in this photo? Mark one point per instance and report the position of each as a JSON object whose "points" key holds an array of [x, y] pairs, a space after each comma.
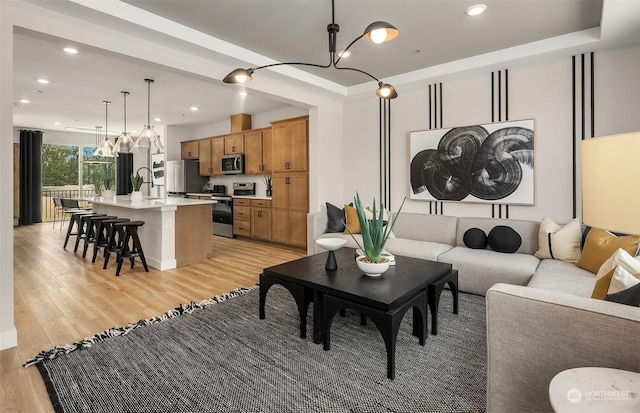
{"points": [[189, 150], [257, 151], [234, 144], [205, 157], [211, 151], [289, 145]]}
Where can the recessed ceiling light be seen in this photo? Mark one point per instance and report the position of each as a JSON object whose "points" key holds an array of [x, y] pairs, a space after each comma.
{"points": [[56, 123], [242, 93], [476, 9], [25, 101], [344, 54], [194, 108], [157, 119], [43, 81], [70, 50]]}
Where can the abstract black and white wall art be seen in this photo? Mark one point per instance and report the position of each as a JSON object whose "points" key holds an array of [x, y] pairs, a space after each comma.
{"points": [[491, 163]]}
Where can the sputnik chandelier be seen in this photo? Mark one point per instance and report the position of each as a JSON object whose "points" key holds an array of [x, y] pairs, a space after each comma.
{"points": [[376, 32]]}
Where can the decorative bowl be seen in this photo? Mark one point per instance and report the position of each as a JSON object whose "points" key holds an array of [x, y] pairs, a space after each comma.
{"points": [[331, 244], [372, 269]]}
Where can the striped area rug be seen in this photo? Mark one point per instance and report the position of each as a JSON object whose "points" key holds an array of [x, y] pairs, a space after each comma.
{"points": [[217, 356]]}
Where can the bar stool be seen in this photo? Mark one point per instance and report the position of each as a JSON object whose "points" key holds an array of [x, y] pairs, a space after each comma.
{"points": [[93, 233], [104, 229], [69, 206], [133, 250], [83, 228], [74, 220]]}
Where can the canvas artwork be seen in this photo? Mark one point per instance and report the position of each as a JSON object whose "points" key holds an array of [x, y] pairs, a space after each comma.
{"points": [[491, 163], [157, 167]]}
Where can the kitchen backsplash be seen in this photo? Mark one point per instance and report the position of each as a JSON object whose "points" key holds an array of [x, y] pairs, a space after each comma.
{"points": [[229, 180]]}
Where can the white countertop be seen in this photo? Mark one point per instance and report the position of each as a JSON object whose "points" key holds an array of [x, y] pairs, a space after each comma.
{"points": [[124, 201], [233, 196]]}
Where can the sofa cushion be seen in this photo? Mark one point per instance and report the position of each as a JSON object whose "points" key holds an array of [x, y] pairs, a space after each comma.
{"points": [[336, 218], [475, 238], [416, 249], [630, 296], [601, 244], [558, 242], [422, 227], [505, 239], [528, 231], [478, 270], [563, 277]]}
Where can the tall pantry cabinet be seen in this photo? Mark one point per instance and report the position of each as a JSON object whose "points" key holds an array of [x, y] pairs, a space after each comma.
{"points": [[290, 200]]}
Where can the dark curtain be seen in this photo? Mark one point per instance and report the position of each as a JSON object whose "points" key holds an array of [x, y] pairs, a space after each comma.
{"points": [[124, 169], [30, 177]]}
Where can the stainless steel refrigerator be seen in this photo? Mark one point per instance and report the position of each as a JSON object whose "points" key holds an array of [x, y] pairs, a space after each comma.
{"points": [[182, 177]]}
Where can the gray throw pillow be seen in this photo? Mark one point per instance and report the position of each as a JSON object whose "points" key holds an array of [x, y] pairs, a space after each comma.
{"points": [[336, 218]]}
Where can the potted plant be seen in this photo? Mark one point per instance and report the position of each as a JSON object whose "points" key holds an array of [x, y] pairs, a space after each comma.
{"points": [[136, 180], [107, 184], [375, 233], [268, 184]]}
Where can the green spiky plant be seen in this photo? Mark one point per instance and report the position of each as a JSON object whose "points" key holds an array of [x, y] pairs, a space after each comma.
{"points": [[107, 182], [136, 181], [374, 233]]}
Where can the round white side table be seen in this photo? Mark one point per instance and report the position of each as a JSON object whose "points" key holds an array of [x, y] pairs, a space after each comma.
{"points": [[595, 390]]}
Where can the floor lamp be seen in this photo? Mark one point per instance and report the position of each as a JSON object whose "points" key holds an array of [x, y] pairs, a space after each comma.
{"points": [[610, 189]]}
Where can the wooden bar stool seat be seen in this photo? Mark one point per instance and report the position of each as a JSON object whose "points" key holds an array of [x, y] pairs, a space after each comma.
{"points": [[131, 246]]}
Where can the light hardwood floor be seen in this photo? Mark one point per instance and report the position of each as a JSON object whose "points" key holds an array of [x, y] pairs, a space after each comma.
{"points": [[61, 298]]}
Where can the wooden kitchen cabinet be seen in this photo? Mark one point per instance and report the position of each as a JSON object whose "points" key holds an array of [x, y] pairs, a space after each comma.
{"points": [[189, 150], [234, 144], [204, 153], [257, 151], [211, 151], [242, 217], [289, 208], [261, 219], [290, 145]]}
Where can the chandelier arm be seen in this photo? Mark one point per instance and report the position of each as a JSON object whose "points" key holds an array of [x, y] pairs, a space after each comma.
{"points": [[294, 63], [358, 70], [345, 50]]}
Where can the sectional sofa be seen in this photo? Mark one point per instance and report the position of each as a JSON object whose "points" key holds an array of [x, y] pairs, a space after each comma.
{"points": [[540, 317]]}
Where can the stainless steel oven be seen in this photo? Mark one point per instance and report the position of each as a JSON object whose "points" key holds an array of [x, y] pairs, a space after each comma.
{"points": [[222, 216]]}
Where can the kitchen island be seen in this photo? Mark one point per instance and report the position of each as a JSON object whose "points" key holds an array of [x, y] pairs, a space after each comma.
{"points": [[177, 231]]}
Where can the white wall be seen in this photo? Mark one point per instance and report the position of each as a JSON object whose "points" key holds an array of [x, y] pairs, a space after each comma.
{"points": [[540, 90]]}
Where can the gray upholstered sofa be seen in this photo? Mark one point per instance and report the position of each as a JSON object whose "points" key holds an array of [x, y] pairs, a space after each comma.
{"points": [[540, 317]]}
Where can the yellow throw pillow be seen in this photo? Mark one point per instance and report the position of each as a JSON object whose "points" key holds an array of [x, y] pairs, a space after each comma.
{"points": [[562, 243], [353, 223], [601, 244]]}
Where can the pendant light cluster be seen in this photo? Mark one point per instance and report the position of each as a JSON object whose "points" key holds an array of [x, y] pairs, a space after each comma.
{"points": [[125, 143], [376, 32]]}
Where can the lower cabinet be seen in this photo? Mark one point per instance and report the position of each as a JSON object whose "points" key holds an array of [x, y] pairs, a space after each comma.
{"points": [[261, 219], [242, 217]]}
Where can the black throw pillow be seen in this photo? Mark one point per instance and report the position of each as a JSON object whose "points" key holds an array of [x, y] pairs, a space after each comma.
{"points": [[504, 239], [475, 238], [336, 218], [630, 296]]}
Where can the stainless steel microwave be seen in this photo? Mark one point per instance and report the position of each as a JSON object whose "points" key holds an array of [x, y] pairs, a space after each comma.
{"points": [[233, 164]]}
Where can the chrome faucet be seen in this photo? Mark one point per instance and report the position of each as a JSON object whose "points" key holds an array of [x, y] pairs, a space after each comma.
{"points": [[150, 171]]}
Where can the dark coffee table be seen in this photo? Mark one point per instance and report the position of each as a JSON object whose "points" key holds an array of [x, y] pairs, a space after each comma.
{"points": [[384, 299]]}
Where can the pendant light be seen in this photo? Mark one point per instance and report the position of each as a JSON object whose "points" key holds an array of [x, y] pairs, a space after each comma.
{"points": [[97, 157], [124, 141], [106, 147], [148, 135]]}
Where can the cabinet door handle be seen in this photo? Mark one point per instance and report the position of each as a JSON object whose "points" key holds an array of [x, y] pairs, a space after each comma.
{"points": [[287, 165], [287, 180]]}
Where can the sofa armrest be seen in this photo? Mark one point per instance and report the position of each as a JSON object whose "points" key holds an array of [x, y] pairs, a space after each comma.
{"points": [[533, 334], [316, 225]]}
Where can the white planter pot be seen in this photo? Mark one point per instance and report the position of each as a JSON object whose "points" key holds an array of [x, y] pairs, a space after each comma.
{"points": [[136, 196], [372, 269], [107, 194]]}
